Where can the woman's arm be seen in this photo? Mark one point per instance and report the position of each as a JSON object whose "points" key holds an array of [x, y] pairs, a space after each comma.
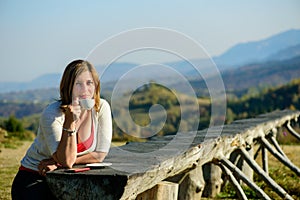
{"points": [[92, 157], [66, 152]]}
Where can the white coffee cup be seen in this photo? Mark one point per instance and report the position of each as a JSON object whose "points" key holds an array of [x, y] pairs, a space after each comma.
{"points": [[87, 104]]}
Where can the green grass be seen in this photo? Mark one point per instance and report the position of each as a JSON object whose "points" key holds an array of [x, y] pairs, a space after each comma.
{"points": [[9, 163], [287, 179], [7, 175]]}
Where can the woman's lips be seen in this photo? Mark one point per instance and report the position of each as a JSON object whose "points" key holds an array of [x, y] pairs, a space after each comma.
{"points": [[85, 97]]}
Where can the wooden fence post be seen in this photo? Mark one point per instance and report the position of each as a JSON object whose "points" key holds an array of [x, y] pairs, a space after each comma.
{"points": [[264, 158], [192, 185], [239, 161], [234, 182], [277, 188], [162, 191], [213, 181], [292, 131], [238, 173], [280, 157]]}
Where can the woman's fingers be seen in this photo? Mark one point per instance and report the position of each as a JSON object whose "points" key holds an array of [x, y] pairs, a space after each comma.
{"points": [[72, 111], [42, 169], [75, 101], [46, 166], [76, 109]]}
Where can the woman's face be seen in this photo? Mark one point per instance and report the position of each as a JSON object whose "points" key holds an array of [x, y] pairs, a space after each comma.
{"points": [[84, 86]]}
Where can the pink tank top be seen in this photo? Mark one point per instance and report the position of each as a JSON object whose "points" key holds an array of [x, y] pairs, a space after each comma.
{"points": [[87, 143]]}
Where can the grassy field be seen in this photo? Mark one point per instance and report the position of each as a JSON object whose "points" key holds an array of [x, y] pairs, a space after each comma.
{"points": [[282, 174], [10, 159], [9, 163]]}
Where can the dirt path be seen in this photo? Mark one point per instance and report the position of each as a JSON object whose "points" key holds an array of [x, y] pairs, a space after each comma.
{"points": [[12, 157]]}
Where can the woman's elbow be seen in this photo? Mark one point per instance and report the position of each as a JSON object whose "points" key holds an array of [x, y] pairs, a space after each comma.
{"points": [[100, 156], [67, 164]]}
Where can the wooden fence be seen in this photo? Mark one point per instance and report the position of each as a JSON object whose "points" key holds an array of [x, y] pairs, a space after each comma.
{"points": [[186, 165]]}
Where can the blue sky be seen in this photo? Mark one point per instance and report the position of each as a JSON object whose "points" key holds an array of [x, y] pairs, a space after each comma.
{"points": [[39, 37]]}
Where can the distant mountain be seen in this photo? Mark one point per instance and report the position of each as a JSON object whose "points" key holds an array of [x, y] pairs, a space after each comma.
{"points": [[279, 47], [44, 81], [44, 95], [257, 51], [267, 74], [285, 54], [114, 71]]}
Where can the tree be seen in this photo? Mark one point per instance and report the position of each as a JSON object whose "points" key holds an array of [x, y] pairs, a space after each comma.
{"points": [[12, 124]]}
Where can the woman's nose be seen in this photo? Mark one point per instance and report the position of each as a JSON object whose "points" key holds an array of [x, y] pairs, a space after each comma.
{"points": [[84, 87]]}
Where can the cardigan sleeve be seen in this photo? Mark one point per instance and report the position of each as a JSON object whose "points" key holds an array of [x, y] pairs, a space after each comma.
{"points": [[104, 129], [51, 127]]}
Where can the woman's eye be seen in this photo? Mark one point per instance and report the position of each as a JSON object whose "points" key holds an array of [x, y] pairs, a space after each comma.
{"points": [[90, 82]]}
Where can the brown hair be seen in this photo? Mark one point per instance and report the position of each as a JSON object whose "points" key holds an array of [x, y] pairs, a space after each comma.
{"points": [[72, 70]]}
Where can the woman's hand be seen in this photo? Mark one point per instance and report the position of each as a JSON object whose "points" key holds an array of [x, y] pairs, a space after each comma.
{"points": [[47, 165], [72, 114]]}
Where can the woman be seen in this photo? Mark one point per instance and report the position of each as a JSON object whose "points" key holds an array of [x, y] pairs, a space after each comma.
{"points": [[67, 134]]}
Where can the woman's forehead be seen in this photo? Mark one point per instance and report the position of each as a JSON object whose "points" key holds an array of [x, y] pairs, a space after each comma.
{"points": [[86, 75]]}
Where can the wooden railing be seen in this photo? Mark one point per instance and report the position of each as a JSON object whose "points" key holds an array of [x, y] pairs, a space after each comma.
{"points": [[186, 165]]}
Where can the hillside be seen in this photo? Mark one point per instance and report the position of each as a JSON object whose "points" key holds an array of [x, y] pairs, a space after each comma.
{"points": [[174, 115], [178, 117], [286, 96], [25, 103], [277, 98]]}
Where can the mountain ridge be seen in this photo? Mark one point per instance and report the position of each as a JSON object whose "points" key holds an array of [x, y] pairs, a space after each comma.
{"points": [[286, 44], [256, 51], [238, 81]]}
